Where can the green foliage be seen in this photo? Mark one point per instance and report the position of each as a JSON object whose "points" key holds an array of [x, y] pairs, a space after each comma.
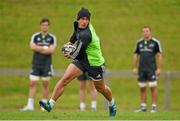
{"points": [[117, 22]]}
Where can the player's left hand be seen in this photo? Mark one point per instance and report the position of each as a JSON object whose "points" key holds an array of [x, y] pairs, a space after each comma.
{"points": [[158, 71]]}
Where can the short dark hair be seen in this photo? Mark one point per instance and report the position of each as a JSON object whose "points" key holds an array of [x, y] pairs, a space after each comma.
{"points": [[147, 27], [45, 20]]}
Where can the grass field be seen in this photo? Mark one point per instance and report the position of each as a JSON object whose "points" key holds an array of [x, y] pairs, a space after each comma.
{"points": [[124, 90], [118, 24], [75, 115]]}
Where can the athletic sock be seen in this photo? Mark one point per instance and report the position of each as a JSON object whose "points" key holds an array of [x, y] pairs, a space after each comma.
{"points": [[143, 105], [154, 105], [111, 103], [82, 106], [30, 102], [93, 104], [44, 100], [52, 102]]}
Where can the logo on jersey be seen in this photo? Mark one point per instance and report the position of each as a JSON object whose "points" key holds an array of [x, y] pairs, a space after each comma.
{"points": [[151, 45], [48, 39], [49, 73], [153, 77], [98, 76], [38, 39], [140, 45]]}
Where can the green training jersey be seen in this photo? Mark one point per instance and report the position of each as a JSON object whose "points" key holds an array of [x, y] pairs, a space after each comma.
{"points": [[88, 48]]}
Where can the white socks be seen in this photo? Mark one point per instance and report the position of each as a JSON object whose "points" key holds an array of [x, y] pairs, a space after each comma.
{"points": [[111, 103], [93, 104], [154, 105], [44, 100], [82, 106], [52, 102], [30, 102], [143, 104]]}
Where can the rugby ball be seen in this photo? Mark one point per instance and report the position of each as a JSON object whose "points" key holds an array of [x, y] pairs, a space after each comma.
{"points": [[68, 49]]}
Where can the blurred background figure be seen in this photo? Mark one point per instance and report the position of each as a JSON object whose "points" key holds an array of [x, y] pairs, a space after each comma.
{"points": [[83, 79], [147, 61], [43, 45]]}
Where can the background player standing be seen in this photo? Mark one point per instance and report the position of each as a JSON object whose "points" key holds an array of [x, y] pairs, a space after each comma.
{"points": [[83, 80], [148, 58], [43, 45]]}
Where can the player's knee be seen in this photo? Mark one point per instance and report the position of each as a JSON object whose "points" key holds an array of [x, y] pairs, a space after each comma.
{"points": [[82, 88], [153, 84], [142, 84], [32, 84], [45, 84], [100, 89], [65, 81]]}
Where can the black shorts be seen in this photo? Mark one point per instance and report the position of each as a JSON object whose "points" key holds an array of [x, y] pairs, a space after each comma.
{"points": [[146, 75], [94, 72], [42, 70], [84, 77]]}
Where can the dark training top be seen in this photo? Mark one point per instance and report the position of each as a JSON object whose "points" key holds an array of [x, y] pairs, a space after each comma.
{"points": [[147, 49], [42, 40], [88, 49]]}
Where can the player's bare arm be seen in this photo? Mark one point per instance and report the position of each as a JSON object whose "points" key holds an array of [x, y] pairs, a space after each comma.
{"points": [[159, 63], [47, 50], [135, 63], [36, 47]]}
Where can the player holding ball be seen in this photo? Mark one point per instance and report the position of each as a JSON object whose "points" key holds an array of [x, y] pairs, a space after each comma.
{"points": [[87, 57]]}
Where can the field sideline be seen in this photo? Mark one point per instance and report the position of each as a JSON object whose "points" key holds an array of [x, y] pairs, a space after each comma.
{"points": [[87, 115]]}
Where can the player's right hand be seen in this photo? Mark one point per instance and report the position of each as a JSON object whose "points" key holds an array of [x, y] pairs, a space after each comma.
{"points": [[135, 71], [158, 71], [67, 55], [65, 50]]}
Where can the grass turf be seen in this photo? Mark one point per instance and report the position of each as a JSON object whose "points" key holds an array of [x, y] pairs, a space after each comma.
{"points": [[87, 115], [117, 22], [14, 92]]}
